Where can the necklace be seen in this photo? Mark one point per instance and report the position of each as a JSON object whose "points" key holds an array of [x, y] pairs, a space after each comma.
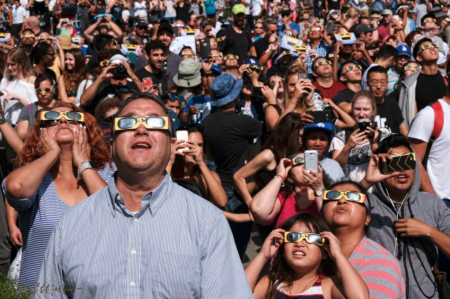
{"points": [[305, 288]]}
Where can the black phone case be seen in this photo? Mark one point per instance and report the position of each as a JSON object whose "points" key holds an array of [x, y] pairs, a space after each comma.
{"points": [[398, 163], [363, 126], [205, 48], [256, 92], [326, 116]]}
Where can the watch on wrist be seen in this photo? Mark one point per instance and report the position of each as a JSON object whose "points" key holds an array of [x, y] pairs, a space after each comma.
{"points": [[319, 193], [86, 164], [2, 119]]}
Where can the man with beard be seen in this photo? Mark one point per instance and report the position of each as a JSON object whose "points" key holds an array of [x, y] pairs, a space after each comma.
{"points": [[234, 39], [154, 52], [114, 77], [166, 35], [350, 74], [410, 224], [27, 40]]}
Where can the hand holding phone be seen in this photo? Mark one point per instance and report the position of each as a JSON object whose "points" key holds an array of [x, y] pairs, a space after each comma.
{"points": [[182, 135], [312, 160]]}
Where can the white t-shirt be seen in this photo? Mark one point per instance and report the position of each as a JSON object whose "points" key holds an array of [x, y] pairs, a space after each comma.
{"points": [[140, 11], [438, 160], [125, 15], [81, 88], [51, 4], [21, 89], [247, 8], [19, 14], [257, 6], [23, 3]]}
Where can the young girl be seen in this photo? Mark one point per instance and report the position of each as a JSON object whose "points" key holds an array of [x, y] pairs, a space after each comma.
{"points": [[75, 72], [307, 256]]}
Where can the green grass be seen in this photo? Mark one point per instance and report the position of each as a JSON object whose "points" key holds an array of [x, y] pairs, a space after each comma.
{"points": [[7, 290]]}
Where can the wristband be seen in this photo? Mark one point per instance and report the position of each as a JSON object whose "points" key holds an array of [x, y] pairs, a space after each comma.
{"points": [[281, 179]]}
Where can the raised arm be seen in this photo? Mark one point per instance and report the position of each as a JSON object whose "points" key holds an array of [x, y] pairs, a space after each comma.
{"points": [[345, 121], [90, 93], [11, 137]]}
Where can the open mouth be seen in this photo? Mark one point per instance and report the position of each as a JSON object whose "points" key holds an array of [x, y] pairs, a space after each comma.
{"points": [[299, 253], [141, 145]]}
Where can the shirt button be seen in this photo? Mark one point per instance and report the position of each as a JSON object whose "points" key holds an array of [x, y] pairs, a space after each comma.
{"points": [[136, 220], [132, 284], [133, 251]]}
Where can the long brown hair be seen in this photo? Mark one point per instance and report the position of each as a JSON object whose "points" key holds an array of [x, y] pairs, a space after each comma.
{"points": [[74, 77], [281, 272], [22, 62], [100, 153], [297, 68]]}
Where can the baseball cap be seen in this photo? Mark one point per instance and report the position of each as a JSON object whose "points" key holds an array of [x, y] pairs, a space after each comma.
{"points": [[252, 62], [205, 23], [326, 127], [142, 23], [165, 26], [386, 12], [238, 8], [361, 28], [286, 11], [404, 50]]}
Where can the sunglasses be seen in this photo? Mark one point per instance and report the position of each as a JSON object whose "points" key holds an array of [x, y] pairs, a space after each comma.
{"points": [[230, 56], [51, 118], [325, 62], [104, 63], [174, 97], [127, 90], [300, 48], [412, 68], [429, 20], [43, 90], [217, 55], [313, 29], [351, 68], [391, 40], [347, 195], [298, 161], [294, 237], [259, 27], [187, 53], [427, 46], [27, 35], [44, 37], [288, 53], [255, 67], [133, 122]]}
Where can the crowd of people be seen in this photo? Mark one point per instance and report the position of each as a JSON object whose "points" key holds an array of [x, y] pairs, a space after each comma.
{"points": [[143, 141]]}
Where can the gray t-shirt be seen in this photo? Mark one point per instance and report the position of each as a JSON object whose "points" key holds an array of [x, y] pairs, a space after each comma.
{"points": [[28, 113], [420, 9], [333, 169]]}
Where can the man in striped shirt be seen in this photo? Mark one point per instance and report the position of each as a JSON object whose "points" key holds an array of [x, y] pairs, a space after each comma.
{"points": [[142, 236], [348, 220]]}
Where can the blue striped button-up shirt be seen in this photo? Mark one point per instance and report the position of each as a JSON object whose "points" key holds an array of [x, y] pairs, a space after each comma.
{"points": [[177, 246]]}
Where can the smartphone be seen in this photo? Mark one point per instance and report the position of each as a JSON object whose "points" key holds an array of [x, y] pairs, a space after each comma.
{"points": [[256, 92], [363, 124], [147, 83], [205, 48], [324, 116], [182, 135], [399, 162], [303, 76], [312, 160]]}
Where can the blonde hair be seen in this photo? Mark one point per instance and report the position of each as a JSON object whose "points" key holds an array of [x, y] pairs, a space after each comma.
{"points": [[296, 68], [22, 62], [366, 95], [351, 13]]}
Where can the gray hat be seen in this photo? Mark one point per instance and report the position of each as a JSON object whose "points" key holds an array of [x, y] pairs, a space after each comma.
{"points": [[188, 74], [386, 12]]}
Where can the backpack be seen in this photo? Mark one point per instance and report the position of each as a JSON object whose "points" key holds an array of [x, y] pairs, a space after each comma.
{"points": [[437, 129]]}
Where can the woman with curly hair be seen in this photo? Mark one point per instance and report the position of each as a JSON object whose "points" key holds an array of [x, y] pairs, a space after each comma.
{"points": [[74, 74], [55, 171]]}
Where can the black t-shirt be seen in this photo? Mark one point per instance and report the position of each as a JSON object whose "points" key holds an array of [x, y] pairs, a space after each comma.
{"points": [[389, 116], [183, 12], [429, 89], [228, 135], [158, 79], [107, 90], [344, 96], [261, 46], [235, 43], [333, 4]]}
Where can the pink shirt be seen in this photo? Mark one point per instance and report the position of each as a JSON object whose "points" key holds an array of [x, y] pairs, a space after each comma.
{"points": [[290, 208]]}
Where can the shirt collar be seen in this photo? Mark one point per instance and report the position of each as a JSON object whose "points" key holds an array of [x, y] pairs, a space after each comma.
{"points": [[153, 200]]}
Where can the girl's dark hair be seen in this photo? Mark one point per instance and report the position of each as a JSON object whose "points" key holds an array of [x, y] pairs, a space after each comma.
{"points": [[41, 78], [39, 51], [74, 77], [409, 39], [280, 138], [281, 272]]}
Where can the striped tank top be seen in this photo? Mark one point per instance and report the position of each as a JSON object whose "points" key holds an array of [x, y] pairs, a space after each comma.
{"points": [[314, 292]]}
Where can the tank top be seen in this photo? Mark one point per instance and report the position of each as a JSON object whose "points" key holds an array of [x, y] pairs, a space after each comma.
{"points": [[314, 292]]}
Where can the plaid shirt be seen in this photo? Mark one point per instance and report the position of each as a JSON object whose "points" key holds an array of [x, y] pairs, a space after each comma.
{"points": [[321, 49]]}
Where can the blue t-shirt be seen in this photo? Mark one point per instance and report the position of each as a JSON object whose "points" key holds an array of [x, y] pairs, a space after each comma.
{"points": [[293, 26], [210, 8], [204, 107]]}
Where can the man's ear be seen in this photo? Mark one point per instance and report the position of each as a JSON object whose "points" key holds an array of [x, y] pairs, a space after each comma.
{"points": [[368, 218]]}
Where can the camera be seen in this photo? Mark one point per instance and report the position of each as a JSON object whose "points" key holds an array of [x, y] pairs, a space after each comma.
{"points": [[119, 70]]}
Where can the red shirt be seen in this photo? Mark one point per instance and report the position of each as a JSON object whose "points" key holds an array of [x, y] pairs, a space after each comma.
{"points": [[291, 208], [383, 31], [331, 92]]}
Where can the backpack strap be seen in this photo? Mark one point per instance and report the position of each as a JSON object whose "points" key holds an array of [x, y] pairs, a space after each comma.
{"points": [[438, 120]]}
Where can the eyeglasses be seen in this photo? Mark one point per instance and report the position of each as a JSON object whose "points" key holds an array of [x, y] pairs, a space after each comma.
{"points": [[43, 90], [288, 53], [412, 68], [376, 82], [351, 68], [429, 20], [391, 40], [104, 63], [174, 97], [255, 67], [230, 56], [27, 35], [298, 161], [217, 55], [44, 37], [294, 237], [187, 53], [313, 29], [347, 195], [51, 118], [149, 122], [427, 46], [320, 63], [300, 48], [259, 27]]}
